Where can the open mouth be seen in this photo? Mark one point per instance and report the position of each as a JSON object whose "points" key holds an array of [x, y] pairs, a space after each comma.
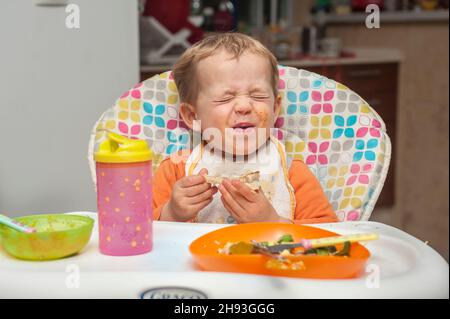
{"points": [[243, 127]]}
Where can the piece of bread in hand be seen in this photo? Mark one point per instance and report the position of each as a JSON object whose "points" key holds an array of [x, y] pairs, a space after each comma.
{"points": [[251, 179]]}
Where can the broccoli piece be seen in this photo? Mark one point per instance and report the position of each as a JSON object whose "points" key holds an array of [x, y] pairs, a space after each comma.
{"points": [[322, 251], [286, 238], [345, 251]]}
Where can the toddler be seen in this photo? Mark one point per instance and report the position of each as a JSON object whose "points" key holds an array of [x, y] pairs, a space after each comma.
{"points": [[227, 84]]}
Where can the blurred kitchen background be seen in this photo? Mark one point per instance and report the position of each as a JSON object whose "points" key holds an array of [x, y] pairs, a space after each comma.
{"points": [[55, 83]]}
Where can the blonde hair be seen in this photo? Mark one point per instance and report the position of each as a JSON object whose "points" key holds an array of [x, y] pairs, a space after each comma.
{"points": [[233, 43]]}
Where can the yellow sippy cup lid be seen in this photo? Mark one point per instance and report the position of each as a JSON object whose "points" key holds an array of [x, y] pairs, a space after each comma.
{"points": [[119, 149]]}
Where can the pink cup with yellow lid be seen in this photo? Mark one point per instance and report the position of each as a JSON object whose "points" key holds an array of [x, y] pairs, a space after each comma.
{"points": [[124, 196]]}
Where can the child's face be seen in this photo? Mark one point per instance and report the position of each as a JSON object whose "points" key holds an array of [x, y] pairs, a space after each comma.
{"points": [[236, 97]]}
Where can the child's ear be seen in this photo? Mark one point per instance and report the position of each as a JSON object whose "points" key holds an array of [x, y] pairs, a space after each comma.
{"points": [[187, 113], [277, 107]]}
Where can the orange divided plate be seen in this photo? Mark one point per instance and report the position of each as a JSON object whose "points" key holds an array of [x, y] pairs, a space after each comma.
{"points": [[205, 252]]}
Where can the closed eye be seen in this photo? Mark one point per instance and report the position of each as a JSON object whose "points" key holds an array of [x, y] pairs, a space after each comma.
{"points": [[260, 97], [224, 100]]}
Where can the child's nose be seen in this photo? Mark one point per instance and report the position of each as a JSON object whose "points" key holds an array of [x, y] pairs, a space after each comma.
{"points": [[243, 105]]}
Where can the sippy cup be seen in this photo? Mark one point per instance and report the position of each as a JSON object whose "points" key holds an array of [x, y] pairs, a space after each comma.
{"points": [[124, 196]]}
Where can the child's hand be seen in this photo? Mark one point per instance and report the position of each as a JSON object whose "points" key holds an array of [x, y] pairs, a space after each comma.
{"points": [[246, 205], [190, 194]]}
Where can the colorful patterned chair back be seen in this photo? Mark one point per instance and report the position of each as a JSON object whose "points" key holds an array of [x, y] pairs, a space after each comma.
{"points": [[322, 122]]}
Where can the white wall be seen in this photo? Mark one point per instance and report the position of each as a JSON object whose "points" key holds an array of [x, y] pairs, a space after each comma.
{"points": [[54, 84]]}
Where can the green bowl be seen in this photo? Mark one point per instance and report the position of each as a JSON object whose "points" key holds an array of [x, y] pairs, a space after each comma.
{"points": [[57, 236]]}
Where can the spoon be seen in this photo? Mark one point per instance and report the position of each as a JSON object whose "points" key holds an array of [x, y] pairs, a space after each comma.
{"points": [[8, 222], [323, 242]]}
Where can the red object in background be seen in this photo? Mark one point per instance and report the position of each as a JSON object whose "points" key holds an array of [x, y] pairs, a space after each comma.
{"points": [[174, 16], [223, 19], [360, 5]]}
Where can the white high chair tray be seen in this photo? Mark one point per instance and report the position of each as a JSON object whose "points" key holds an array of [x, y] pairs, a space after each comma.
{"points": [[407, 268]]}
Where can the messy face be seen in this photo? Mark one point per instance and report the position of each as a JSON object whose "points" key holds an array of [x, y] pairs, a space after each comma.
{"points": [[235, 99]]}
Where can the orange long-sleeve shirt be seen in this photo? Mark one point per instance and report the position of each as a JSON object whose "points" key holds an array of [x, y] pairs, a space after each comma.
{"points": [[312, 206]]}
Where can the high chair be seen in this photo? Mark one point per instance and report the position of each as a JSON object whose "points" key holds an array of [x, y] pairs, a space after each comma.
{"points": [[322, 122]]}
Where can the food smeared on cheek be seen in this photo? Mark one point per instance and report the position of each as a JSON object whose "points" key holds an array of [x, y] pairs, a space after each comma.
{"points": [[262, 116]]}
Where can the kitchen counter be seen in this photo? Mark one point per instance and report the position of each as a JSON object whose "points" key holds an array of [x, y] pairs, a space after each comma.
{"points": [[361, 56]]}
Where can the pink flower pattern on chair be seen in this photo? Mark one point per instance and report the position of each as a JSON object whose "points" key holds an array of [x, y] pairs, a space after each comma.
{"points": [[373, 127], [134, 92], [352, 215], [317, 155], [131, 131], [323, 102], [360, 174]]}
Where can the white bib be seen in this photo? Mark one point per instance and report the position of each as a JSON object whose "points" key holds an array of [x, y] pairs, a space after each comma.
{"points": [[271, 163]]}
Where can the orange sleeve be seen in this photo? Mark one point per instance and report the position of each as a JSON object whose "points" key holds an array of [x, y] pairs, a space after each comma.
{"points": [[312, 205], [168, 172]]}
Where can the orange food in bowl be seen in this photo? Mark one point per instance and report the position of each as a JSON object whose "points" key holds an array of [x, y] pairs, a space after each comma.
{"points": [[205, 251]]}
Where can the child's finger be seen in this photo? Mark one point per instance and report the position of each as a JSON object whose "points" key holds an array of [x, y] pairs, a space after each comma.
{"points": [[245, 191], [203, 171], [192, 180], [203, 196], [230, 201], [199, 206], [196, 189], [229, 187], [237, 196], [230, 210]]}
